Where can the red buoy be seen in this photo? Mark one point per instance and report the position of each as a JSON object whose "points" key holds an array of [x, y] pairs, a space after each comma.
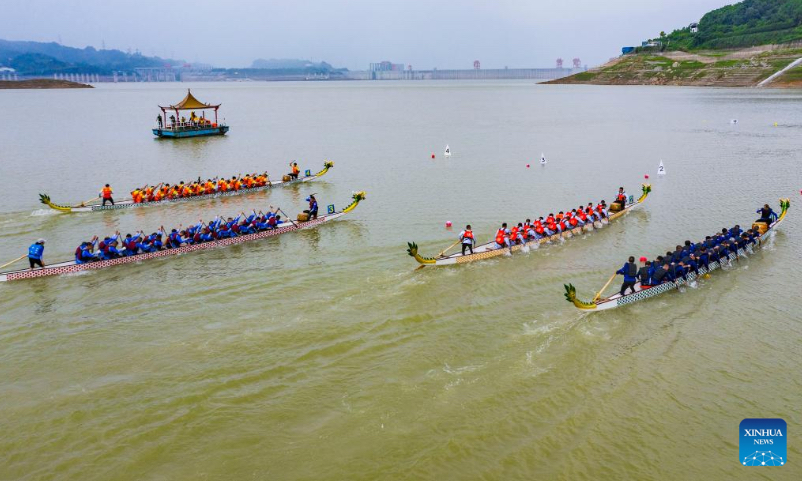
{"points": [[432, 155], [527, 166], [646, 176]]}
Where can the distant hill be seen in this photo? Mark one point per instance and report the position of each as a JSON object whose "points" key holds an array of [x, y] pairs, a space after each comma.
{"points": [[39, 58], [745, 24], [289, 64]]}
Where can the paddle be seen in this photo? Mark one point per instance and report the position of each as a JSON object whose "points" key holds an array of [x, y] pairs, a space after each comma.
{"points": [[598, 296], [83, 204], [288, 217], [15, 260], [450, 247]]}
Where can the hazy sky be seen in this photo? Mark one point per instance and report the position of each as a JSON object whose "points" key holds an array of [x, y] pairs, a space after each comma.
{"points": [[353, 33]]}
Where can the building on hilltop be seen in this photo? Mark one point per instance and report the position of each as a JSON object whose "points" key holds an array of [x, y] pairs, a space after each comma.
{"points": [[694, 27]]}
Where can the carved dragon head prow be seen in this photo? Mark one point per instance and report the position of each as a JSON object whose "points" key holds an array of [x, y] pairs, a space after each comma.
{"points": [[646, 189]]}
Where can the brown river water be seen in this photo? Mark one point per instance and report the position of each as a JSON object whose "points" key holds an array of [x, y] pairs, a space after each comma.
{"points": [[323, 354]]}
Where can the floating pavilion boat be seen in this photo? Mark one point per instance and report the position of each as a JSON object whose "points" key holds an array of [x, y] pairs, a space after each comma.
{"points": [[489, 250], [179, 127], [617, 300], [129, 203], [68, 267]]}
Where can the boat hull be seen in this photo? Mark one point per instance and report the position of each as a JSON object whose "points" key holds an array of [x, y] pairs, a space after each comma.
{"points": [[641, 294], [489, 250], [130, 204], [70, 267], [182, 134]]}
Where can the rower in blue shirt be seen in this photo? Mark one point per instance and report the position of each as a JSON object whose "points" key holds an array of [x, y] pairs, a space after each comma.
{"points": [[35, 252]]}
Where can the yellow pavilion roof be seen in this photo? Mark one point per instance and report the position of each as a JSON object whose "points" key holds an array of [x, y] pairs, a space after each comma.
{"points": [[190, 103]]}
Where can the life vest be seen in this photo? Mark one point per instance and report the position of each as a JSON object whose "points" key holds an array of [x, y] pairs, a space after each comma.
{"points": [[621, 198], [106, 192], [500, 237], [589, 210], [514, 234], [248, 182], [563, 226], [573, 222], [599, 208], [296, 170], [467, 235], [186, 191], [210, 187], [632, 269], [582, 216], [550, 219], [131, 245], [539, 229], [78, 254], [559, 217]]}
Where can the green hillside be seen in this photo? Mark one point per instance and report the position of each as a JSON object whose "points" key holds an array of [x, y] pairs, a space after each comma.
{"points": [[745, 24], [39, 58]]}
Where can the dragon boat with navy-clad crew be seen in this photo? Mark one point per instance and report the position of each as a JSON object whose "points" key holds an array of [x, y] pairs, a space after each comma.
{"points": [[686, 264], [219, 232], [162, 194], [520, 237]]}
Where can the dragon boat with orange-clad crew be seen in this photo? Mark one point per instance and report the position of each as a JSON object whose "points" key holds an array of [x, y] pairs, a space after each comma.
{"points": [[162, 194], [205, 241], [494, 249], [737, 248]]}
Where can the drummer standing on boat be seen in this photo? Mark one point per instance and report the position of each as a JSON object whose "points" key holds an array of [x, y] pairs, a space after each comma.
{"points": [[35, 252]]}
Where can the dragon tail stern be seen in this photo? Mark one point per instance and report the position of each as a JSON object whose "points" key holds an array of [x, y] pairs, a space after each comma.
{"points": [[570, 296], [45, 199], [412, 250]]}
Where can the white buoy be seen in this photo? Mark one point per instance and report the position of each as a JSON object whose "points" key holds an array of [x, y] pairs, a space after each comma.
{"points": [[660, 169], [543, 160], [447, 153]]}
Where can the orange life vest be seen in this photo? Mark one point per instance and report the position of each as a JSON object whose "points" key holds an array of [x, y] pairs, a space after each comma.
{"points": [[573, 222], [106, 192], [500, 237], [621, 198], [296, 170], [467, 235]]}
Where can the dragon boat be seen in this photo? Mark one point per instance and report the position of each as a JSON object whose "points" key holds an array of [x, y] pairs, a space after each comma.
{"points": [[129, 203], [489, 250], [640, 294], [68, 267]]}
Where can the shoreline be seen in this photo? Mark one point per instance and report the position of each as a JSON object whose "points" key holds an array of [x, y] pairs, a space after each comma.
{"points": [[41, 84]]}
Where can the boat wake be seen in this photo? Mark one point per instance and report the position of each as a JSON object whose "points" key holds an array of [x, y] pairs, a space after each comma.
{"points": [[43, 212]]}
